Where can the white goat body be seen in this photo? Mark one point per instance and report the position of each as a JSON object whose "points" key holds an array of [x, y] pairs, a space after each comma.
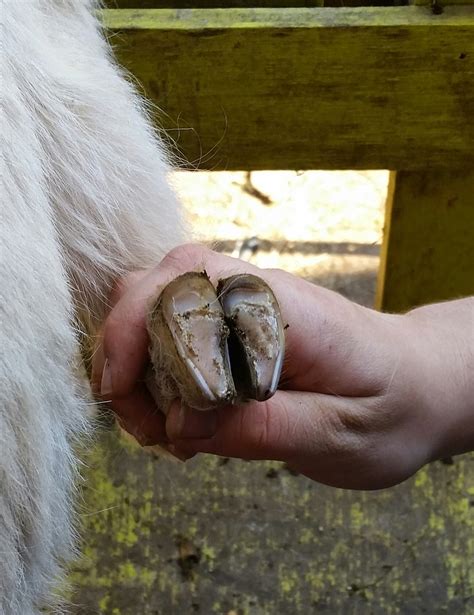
{"points": [[85, 199]]}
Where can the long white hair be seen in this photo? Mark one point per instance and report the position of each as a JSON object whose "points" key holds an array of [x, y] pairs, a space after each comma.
{"points": [[84, 199]]}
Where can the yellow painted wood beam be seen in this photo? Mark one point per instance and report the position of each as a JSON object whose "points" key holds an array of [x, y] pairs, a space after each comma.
{"points": [[428, 251], [306, 88]]}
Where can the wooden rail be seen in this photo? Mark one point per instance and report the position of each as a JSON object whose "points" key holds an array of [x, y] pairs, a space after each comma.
{"points": [[310, 88], [327, 88]]}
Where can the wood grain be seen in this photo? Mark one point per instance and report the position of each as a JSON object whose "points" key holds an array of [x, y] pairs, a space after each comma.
{"points": [[306, 88], [428, 249]]}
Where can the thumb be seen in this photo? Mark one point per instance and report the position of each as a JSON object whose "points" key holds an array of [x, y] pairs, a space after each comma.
{"points": [[334, 440], [289, 427]]}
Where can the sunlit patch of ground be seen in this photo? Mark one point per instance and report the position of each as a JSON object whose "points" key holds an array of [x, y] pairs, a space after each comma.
{"points": [[324, 226]]}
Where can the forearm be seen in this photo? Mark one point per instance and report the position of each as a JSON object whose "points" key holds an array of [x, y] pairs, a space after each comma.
{"points": [[443, 346]]}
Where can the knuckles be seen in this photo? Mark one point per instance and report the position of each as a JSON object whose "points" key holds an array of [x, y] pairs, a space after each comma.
{"points": [[185, 257]]}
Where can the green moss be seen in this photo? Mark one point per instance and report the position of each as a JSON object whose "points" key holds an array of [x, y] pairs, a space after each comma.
{"points": [[104, 603], [357, 516], [270, 546]]}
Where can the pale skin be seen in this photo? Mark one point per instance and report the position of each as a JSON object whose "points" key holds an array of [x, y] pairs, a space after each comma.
{"points": [[365, 399]]}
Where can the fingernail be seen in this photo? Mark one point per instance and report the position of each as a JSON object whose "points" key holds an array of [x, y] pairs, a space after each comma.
{"points": [[144, 439], [186, 423], [106, 382], [180, 420], [181, 455]]}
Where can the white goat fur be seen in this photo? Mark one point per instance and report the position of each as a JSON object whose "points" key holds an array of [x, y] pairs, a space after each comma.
{"points": [[85, 199]]}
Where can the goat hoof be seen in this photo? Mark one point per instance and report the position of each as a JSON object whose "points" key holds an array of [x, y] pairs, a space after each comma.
{"points": [[212, 349], [257, 338], [189, 349]]}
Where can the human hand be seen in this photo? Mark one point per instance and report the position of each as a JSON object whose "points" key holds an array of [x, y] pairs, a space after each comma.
{"points": [[360, 403]]}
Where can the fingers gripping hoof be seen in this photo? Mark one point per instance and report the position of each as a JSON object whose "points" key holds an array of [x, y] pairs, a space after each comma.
{"points": [[214, 349]]}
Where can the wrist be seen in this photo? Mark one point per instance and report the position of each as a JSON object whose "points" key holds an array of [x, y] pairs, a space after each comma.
{"points": [[442, 361]]}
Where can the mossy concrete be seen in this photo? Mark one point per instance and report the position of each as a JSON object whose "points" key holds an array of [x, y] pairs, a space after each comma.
{"points": [[225, 536]]}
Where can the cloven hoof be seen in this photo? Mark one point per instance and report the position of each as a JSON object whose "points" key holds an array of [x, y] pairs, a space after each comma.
{"points": [[215, 348]]}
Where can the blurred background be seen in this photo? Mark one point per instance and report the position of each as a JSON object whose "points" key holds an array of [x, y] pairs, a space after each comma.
{"points": [[324, 226]]}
